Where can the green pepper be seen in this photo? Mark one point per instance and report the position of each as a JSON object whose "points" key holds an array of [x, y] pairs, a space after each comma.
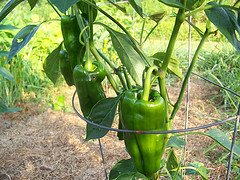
{"points": [[71, 32], [65, 67], [144, 110], [88, 86]]}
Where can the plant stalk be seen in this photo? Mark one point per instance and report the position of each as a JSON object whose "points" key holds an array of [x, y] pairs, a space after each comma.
{"points": [[109, 75], [184, 85]]}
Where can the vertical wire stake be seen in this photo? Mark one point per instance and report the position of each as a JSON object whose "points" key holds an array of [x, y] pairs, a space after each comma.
{"points": [[103, 160], [188, 89], [233, 143]]}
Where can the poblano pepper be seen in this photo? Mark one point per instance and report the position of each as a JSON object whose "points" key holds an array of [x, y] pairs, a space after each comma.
{"points": [[71, 32], [65, 67], [144, 110], [88, 86]]}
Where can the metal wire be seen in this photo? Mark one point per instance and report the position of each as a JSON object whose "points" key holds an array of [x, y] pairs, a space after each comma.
{"points": [[150, 132], [222, 87], [103, 160], [233, 143]]}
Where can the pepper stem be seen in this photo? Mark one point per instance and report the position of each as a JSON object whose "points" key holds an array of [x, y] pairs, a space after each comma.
{"points": [[147, 83], [88, 64]]}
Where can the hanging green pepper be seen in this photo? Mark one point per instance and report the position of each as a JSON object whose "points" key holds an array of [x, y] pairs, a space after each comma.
{"points": [[88, 86], [65, 67], [144, 110], [71, 32]]}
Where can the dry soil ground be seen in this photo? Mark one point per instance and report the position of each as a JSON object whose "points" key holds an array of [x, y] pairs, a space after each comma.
{"points": [[51, 145]]}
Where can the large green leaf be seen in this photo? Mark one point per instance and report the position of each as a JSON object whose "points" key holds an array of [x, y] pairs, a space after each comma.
{"points": [[172, 3], [51, 65], [5, 109], [103, 113], [221, 138], [129, 57], [6, 74], [198, 168], [63, 5], [21, 39], [32, 3], [137, 5], [227, 23], [8, 8], [125, 170], [173, 66]]}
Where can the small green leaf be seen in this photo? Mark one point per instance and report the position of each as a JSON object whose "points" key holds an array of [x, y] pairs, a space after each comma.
{"points": [[137, 5], [227, 23], [5, 109], [8, 8], [172, 165], [172, 161], [84, 9], [51, 65], [129, 57], [7, 27], [221, 138], [63, 5], [173, 66], [173, 3], [4, 53], [199, 168], [157, 16], [6, 74], [176, 142], [32, 3], [102, 113], [21, 39], [125, 170]]}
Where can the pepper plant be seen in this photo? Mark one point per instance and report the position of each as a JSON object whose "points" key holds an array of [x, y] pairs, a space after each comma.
{"points": [[139, 81]]}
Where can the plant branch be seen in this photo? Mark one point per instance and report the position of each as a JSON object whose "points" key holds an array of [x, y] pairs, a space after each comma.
{"points": [[194, 60], [178, 22], [109, 75]]}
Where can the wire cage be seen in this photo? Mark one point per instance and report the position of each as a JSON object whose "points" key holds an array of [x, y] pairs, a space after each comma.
{"points": [[233, 118]]}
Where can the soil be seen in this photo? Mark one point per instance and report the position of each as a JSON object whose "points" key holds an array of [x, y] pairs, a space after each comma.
{"points": [[51, 144]]}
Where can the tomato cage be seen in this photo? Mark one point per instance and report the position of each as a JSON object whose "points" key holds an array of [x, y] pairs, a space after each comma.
{"points": [[227, 144]]}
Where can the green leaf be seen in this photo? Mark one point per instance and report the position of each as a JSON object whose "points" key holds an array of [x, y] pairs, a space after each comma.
{"points": [[5, 109], [172, 165], [176, 142], [4, 53], [221, 138], [173, 66], [129, 57], [199, 168], [227, 23], [6, 74], [157, 16], [8, 8], [125, 170], [137, 5], [32, 3], [7, 27], [172, 161], [84, 9], [172, 3], [63, 5], [21, 39], [51, 65], [102, 113]]}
